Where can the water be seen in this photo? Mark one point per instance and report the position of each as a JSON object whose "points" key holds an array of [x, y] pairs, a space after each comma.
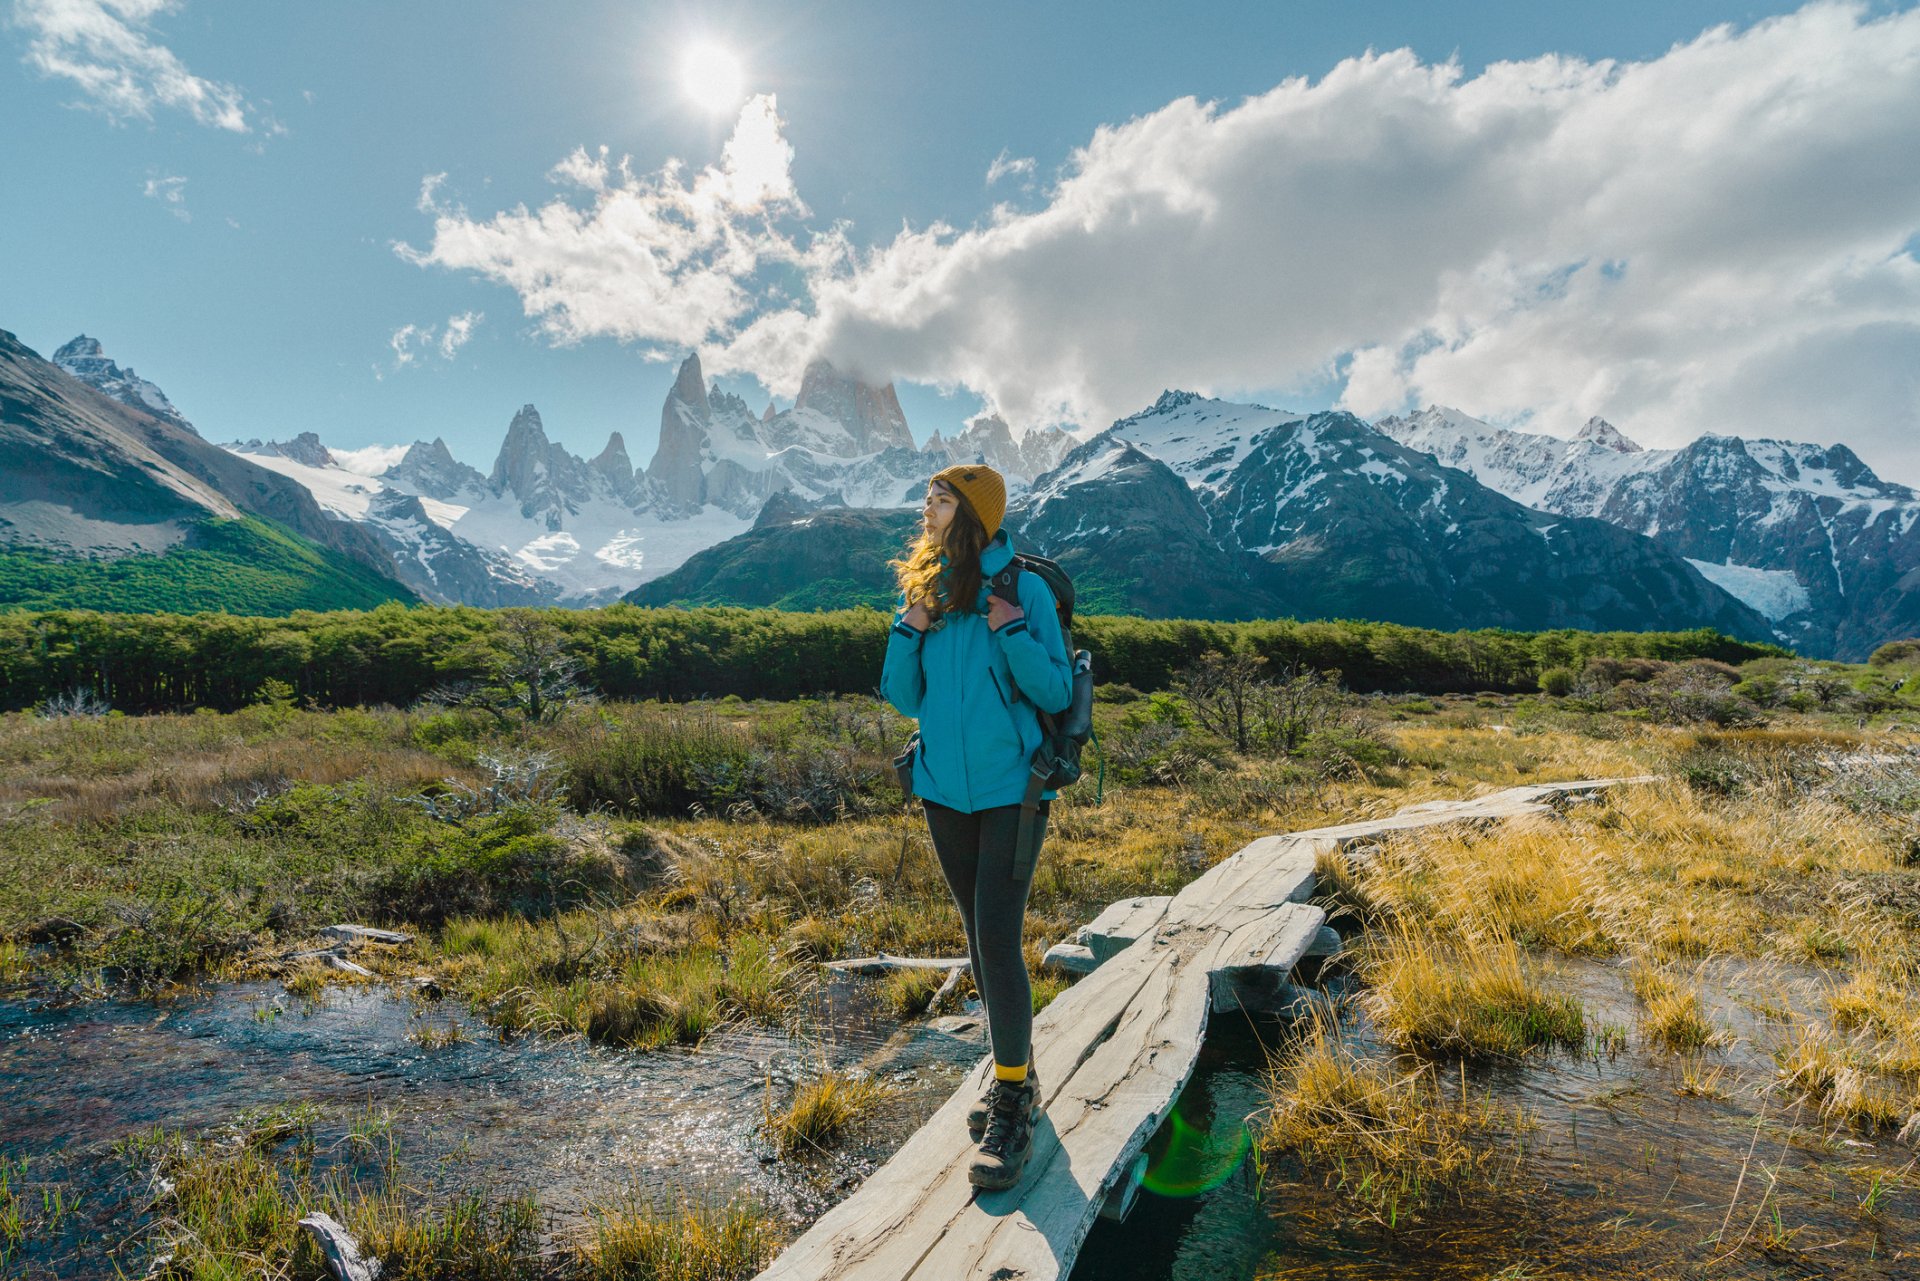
{"points": [[575, 1123], [1622, 1175]]}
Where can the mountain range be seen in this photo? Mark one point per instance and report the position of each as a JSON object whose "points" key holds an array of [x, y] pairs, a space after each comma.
{"points": [[1806, 535], [109, 499], [545, 526], [1193, 507], [1204, 508]]}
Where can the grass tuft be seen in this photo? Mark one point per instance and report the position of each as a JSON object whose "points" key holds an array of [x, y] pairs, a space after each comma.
{"points": [[1386, 1133], [823, 1111], [1435, 997], [1670, 1011], [631, 1243]]}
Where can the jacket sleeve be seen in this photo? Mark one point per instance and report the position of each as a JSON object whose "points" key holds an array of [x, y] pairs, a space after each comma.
{"points": [[902, 680], [1036, 651]]}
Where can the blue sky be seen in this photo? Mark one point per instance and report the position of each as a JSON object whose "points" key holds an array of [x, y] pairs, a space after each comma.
{"points": [[216, 191]]}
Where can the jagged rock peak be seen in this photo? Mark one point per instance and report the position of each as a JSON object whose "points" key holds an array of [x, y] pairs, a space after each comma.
{"points": [[305, 448], [613, 463], [690, 385], [1172, 400], [432, 453], [83, 358], [871, 414], [1598, 431], [616, 448], [768, 416], [719, 402], [78, 348]]}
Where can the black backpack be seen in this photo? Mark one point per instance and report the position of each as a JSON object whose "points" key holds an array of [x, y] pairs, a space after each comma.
{"points": [[1056, 762]]}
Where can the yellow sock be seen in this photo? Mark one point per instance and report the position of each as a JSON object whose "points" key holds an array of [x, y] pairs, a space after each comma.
{"points": [[1014, 1074]]}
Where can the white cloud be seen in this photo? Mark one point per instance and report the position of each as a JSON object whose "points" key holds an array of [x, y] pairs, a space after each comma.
{"points": [[374, 460], [405, 342], [411, 342], [459, 329], [170, 192], [1003, 165], [1713, 239], [1680, 245], [108, 48], [652, 258]]}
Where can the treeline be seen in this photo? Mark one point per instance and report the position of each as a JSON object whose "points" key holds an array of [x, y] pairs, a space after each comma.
{"points": [[394, 654]]}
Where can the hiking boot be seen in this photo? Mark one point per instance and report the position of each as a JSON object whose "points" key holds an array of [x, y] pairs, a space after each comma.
{"points": [[977, 1114], [1008, 1140]]}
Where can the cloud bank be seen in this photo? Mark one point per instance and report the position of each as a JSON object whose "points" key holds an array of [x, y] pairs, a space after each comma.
{"points": [[108, 48], [648, 258], [1720, 238]]}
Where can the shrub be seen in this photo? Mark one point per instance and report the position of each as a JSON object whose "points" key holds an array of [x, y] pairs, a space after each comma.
{"points": [[1557, 681], [1894, 652]]}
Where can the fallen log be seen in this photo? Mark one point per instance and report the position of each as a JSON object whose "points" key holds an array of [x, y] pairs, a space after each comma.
{"points": [[884, 963], [340, 1250]]}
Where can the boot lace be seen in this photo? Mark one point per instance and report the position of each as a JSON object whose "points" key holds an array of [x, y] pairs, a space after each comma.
{"points": [[1007, 1121]]}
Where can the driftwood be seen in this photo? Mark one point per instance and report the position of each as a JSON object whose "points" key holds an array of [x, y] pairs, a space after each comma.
{"points": [[884, 963], [365, 934], [333, 956], [947, 988], [341, 1251], [1114, 1052]]}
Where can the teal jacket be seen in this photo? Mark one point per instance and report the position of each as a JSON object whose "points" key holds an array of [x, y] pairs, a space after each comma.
{"points": [[977, 734]]}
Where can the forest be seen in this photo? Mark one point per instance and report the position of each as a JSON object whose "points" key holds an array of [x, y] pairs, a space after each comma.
{"points": [[395, 654]]}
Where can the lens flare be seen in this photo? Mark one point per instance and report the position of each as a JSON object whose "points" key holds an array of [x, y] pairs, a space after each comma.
{"points": [[1186, 1161]]}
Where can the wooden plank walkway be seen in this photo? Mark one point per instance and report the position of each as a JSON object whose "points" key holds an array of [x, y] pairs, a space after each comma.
{"points": [[1113, 1053]]}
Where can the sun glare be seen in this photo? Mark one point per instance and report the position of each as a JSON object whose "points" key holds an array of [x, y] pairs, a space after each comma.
{"points": [[711, 77]]}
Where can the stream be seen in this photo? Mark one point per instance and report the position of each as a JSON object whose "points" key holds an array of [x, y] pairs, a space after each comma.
{"points": [[1622, 1175]]}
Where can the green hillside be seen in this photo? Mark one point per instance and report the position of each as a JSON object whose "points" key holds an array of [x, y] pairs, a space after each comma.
{"points": [[245, 566]]}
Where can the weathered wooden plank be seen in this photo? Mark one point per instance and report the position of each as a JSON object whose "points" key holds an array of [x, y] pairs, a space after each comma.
{"points": [[1113, 1053], [1120, 923]]}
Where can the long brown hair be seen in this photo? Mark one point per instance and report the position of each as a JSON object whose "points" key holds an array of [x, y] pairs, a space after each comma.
{"points": [[955, 585]]}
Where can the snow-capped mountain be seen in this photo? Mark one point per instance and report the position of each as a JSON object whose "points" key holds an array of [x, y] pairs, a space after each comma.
{"points": [[86, 475], [545, 525], [82, 357], [1328, 517], [1805, 534], [1204, 508]]}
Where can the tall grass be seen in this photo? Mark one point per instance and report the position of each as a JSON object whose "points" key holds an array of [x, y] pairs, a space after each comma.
{"points": [[824, 1109], [1480, 999], [1386, 1133]]}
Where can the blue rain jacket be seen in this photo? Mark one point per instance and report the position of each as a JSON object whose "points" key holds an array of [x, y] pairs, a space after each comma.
{"points": [[977, 734]]}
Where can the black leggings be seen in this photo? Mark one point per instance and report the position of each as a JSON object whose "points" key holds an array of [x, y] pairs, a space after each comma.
{"points": [[976, 857]]}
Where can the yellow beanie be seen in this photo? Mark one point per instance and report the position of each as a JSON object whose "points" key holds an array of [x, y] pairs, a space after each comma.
{"points": [[984, 490]]}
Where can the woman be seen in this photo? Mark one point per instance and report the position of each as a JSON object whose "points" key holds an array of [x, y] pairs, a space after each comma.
{"points": [[973, 667]]}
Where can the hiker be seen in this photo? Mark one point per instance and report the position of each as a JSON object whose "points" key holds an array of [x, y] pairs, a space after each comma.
{"points": [[973, 667]]}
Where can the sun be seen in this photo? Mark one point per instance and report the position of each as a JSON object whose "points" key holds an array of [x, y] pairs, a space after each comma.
{"points": [[711, 77]]}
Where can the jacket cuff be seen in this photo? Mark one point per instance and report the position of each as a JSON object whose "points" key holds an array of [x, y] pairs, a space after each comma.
{"points": [[1017, 626], [903, 628]]}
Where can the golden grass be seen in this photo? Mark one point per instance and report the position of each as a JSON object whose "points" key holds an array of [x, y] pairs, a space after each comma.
{"points": [[1839, 1078], [630, 1242], [1671, 1015], [1486, 998], [1386, 1133], [823, 1111], [906, 993]]}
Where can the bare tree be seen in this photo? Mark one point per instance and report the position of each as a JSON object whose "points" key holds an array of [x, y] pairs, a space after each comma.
{"points": [[529, 674], [1234, 696]]}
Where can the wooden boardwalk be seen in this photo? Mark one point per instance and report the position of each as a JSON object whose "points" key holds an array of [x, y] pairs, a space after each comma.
{"points": [[1113, 1053]]}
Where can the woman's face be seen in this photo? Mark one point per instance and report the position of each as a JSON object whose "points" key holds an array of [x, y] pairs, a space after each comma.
{"points": [[940, 506]]}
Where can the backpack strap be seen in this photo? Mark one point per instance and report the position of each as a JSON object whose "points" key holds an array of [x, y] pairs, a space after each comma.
{"points": [[1005, 584]]}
